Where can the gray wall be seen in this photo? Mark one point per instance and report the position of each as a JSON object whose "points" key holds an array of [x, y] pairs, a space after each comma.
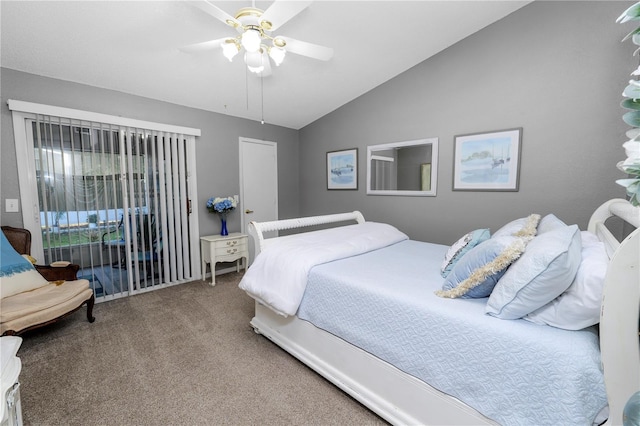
{"points": [[217, 149], [557, 69]]}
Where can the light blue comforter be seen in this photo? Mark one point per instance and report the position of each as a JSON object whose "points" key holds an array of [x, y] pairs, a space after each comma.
{"points": [[512, 371]]}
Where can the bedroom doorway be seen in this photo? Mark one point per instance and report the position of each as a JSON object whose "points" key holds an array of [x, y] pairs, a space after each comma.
{"points": [[258, 183]]}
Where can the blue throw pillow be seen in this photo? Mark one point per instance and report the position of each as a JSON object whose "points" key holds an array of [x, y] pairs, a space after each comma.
{"points": [[17, 274], [545, 270], [461, 247], [11, 262], [476, 274]]}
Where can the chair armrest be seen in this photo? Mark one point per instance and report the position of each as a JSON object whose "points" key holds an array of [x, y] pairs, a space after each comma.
{"points": [[55, 273]]}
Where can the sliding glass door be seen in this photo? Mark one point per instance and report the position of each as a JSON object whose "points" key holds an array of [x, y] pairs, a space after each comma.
{"points": [[113, 199]]}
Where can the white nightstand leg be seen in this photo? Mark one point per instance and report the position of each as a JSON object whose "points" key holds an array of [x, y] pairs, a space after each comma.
{"points": [[213, 273]]}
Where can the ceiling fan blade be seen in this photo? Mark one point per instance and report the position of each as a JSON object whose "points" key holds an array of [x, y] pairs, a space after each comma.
{"points": [[282, 11], [216, 12], [206, 45], [307, 49]]}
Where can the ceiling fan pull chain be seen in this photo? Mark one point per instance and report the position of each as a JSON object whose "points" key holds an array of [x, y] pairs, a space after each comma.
{"points": [[246, 84]]}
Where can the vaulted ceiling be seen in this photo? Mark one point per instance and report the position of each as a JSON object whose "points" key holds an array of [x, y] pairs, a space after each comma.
{"points": [[133, 47]]}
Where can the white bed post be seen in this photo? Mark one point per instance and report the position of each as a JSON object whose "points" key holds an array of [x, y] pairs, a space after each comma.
{"points": [[619, 346], [620, 310]]}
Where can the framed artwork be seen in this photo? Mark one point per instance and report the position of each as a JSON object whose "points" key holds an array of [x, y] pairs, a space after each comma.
{"points": [[487, 161], [342, 169]]}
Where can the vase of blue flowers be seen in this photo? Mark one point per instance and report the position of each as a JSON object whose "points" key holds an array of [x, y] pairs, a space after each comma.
{"points": [[221, 206]]}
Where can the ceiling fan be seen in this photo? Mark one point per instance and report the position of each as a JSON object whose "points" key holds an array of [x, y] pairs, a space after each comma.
{"points": [[256, 36]]}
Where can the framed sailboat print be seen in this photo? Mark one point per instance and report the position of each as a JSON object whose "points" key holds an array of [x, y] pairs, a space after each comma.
{"points": [[342, 169], [488, 161]]}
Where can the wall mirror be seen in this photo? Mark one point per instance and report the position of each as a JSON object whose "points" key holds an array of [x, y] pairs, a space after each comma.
{"points": [[403, 168]]}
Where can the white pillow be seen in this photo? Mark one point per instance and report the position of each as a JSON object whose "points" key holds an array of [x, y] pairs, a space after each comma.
{"points": [[524, 227], [544, 271], [579, 306], [549, 223]]}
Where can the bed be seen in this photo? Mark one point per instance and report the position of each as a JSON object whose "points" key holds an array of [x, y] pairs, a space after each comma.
{"points": [[373, 316]]}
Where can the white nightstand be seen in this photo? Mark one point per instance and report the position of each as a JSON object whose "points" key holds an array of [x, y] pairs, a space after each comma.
{"points": [[218, 248]]}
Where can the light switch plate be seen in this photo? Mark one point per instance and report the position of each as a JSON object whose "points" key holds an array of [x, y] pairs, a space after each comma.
{"points": [[11, 205]]}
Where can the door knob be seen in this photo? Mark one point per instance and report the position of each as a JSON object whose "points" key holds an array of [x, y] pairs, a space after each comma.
{"points": [[247, 211]]}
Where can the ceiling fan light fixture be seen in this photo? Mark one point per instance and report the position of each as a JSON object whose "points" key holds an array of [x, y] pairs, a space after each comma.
{"points": [[266, 25], [254, 61], [251, 40], [230, 49], [256, 70], [254, 27], [277, 54]]}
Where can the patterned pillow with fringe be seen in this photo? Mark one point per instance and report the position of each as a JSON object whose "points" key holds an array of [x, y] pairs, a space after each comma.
{"points": [[461, 247], [477, 273]]}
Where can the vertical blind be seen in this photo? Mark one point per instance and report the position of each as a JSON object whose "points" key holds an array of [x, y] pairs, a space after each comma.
{"points": [[111, 194]]}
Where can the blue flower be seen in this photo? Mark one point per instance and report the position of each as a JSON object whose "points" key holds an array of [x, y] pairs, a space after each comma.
{"points": [[221, 205]]}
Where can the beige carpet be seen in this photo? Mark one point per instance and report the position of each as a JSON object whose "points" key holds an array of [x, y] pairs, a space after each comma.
{"points": [[184, 355]]}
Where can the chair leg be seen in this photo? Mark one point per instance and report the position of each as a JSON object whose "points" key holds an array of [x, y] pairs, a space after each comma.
{"points": [[90, 303]]}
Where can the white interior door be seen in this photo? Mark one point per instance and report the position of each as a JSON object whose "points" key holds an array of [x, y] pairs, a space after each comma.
{"points": [[258, 183]]}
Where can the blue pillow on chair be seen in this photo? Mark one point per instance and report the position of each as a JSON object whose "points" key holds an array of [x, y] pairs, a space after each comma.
{"points": [[11, 262], [17, 274]]}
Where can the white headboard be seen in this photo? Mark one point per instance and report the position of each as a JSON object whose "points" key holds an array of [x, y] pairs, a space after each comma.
{"points": [[616, 207], [258, 229]]}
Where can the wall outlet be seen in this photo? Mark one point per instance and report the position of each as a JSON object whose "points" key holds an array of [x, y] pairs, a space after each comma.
{"points": [[11, 205]]}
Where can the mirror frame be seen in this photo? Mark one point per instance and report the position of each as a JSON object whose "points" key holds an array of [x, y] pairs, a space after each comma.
{"points": [[371, 149]]}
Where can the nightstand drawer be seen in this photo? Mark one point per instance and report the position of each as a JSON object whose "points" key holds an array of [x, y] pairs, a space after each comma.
{"points": [[231, 250], [230, 242]]}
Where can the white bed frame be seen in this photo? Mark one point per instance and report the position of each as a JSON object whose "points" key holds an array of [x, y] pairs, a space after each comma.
{"points": [[403, 399]]}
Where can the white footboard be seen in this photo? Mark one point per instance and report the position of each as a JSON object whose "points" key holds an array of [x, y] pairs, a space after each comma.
{"points": [[619, 315]]}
